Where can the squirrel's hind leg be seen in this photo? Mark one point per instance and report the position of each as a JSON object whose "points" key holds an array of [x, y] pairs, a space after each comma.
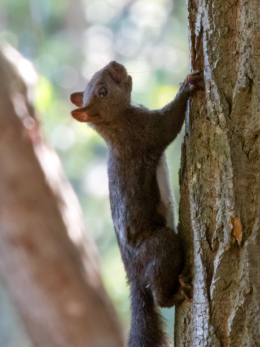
{"points": [[169, 282], [168, 297]]}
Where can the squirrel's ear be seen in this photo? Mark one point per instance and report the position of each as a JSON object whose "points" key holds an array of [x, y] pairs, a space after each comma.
{"points": [[81, 114], [77, 98]]}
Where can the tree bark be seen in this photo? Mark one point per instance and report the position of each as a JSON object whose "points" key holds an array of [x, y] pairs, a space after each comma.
{"points": [[49, 269], [220, 178]]}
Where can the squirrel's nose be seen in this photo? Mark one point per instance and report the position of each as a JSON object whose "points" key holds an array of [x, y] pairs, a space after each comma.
{"points": [[116, 66], [117, 71]]}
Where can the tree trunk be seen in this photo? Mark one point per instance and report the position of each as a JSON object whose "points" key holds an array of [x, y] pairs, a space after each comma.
{"points": [[220, 178], [49, 269]]}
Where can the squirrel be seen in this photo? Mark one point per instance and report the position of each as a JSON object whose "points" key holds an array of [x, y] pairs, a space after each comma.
{"points": [[140, 194]]}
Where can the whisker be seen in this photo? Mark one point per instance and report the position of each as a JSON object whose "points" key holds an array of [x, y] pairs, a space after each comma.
{"points": [[136, 60], [103, 61], [139, 71], [94, 70]]}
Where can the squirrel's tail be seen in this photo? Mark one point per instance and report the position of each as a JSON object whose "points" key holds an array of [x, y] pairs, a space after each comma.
{"points": [[146, 322]]}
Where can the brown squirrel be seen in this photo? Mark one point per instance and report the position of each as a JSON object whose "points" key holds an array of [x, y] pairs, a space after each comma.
{"points": [[140, 195]]}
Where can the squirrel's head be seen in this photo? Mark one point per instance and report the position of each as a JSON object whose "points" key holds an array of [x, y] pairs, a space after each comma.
{"points": [[106, 96]]}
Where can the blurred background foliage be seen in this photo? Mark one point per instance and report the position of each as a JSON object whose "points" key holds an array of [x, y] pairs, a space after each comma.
{"points": [[68, 41]]}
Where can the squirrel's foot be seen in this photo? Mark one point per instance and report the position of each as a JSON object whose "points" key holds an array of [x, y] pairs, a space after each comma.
{"points": [[186, 289]]}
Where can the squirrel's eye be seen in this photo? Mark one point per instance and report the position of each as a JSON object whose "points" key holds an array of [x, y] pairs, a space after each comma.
{"points": [[102, 92]]}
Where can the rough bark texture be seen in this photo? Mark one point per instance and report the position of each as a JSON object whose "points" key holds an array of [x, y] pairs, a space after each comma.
{"points": [[220, 178], [58, 293]]}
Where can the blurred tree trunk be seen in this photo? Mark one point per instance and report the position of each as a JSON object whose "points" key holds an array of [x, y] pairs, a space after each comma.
{"points": [[220, 178], [49, 269]]}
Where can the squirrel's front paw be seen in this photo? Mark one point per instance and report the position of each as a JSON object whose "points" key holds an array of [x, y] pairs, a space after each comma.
{"points": [[192, 83]]}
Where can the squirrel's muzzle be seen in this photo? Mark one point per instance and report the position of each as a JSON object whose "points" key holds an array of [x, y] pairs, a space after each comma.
{"points": [[117, 72]]}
